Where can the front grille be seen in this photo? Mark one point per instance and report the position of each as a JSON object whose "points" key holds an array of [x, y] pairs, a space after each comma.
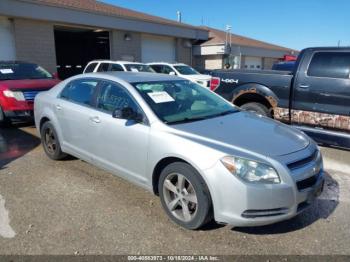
{"points": [[308, 182], [254, 213], [30, 94], [302, 162]]}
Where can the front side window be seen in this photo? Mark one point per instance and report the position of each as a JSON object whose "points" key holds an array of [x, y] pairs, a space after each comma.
{"points": [[330, 64], [167, 69], [80, 91], [116, 67], [112, 97], [103, 67], [182, 101], [157, 68], [90, 68], [139, 68], [186, 70], [21, 71]]}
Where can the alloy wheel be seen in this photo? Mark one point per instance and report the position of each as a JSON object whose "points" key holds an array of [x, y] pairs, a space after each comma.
{"points": [[50, 141], [180, 197]]}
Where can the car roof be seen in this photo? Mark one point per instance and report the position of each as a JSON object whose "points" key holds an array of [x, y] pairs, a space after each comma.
{"points": [[165, 63], [115, 62], [133, 77]]}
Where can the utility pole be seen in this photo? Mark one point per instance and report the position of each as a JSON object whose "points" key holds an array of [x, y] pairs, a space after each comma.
{"points": [[179, 18]]}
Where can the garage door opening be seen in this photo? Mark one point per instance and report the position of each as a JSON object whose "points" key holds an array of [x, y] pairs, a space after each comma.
{"points": [[75, 47]]}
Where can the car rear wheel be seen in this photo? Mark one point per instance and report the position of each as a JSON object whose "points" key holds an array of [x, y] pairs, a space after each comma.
{"points": [[4, 121], [185, 196], [50, 142], [257, 108]]}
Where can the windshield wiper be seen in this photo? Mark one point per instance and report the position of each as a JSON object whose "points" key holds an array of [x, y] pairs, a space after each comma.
{"points": [[188, 120]]}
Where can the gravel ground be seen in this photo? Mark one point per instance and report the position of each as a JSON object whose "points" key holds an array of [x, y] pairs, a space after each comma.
{"points": [[71, 207]]}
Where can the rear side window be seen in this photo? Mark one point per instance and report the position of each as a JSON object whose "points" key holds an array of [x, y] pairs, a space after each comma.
{"points": [[116, 67], [90, 68], [103, 67], [80, 91], [330, 64]]}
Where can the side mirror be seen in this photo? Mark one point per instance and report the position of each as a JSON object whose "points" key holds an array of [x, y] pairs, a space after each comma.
{"points": [[127, 113], [172, 73]]}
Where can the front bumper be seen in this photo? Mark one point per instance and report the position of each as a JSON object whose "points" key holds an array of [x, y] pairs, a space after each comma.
{"points": [[20, 114], [243, 204]]}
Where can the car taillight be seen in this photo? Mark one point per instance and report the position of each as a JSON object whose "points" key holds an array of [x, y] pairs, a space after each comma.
{"points": [[214, 83]]}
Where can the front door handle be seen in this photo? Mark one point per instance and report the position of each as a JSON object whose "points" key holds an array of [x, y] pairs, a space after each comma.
{"points": [[58, 107], [304, 87], [95, 119]]}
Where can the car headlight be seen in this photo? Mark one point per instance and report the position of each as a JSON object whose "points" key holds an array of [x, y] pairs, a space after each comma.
{"points": [[251, 171], [14, 94]]}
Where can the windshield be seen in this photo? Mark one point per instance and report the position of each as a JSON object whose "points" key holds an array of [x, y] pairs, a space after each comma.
{"points": [[186, 70], [182, 101], [19, 71], [139, 68]]}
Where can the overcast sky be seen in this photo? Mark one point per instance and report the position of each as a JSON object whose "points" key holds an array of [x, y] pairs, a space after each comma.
{"points": [[295, 23]]}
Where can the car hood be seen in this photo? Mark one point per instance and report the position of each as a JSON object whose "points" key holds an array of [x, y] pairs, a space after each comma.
{"points": [[38, 84], [198, 77], [246, 131]]}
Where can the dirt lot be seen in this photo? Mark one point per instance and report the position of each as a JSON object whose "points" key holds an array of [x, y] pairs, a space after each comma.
{"points": [[72, 207]]}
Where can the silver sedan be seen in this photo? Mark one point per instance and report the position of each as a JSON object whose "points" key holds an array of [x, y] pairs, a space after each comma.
{"points": [[204, 157]]}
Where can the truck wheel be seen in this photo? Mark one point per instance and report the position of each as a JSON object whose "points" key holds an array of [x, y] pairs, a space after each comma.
{"points": [[4, 121], [257, 108]]}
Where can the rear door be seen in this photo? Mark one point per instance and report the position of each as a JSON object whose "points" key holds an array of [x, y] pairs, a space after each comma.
{"points": [[75, 111], [322, 91]]}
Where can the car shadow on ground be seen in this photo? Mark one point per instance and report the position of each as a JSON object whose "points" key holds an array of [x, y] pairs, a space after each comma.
{"points": [[15, 143], [322, 208]]}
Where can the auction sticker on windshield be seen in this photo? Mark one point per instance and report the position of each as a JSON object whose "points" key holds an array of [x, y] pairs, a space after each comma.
{"points": [[6, 71], [161, 97]]}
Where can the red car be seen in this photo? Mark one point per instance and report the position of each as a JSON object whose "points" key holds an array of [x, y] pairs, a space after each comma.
{"points": [[20, 82]]}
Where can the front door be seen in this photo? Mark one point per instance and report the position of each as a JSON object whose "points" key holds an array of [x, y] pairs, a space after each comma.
{"points": [[121, 145], [322, 94]]}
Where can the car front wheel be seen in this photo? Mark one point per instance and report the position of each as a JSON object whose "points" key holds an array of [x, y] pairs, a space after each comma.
{"points": [[185, 196], [50, 142]]}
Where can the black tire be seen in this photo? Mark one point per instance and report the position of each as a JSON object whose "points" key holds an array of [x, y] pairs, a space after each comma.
{"points": [[4, 121], [257, 108], [203, 213], [48, 137]]}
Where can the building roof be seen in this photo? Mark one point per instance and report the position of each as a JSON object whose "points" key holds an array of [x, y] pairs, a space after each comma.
{"points": [[110, 10], [219, 37]]}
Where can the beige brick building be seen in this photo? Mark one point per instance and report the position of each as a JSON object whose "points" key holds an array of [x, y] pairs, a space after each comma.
{"points": [[239, 52], [63, 35]]}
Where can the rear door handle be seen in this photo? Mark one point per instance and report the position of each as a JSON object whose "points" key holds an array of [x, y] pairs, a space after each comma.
{"points": [[95, 119], [58, 107]]}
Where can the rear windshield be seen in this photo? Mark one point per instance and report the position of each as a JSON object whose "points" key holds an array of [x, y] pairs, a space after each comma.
{"points": [[19, 71], [139, 68]]}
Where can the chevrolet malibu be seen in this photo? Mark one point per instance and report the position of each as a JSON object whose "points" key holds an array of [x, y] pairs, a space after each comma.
{"points": [[204, 157]]}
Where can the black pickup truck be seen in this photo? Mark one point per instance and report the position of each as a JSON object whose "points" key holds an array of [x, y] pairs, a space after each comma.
{"points": [[314, 97]]}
